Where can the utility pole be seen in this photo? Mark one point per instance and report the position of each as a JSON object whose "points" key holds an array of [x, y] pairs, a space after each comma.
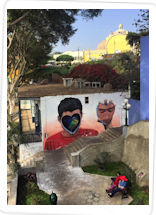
{"points": [[78, 54]]}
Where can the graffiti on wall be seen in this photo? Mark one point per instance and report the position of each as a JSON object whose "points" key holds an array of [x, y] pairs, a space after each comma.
{"points": [[69, 116], [65, 119], [105, 112]]}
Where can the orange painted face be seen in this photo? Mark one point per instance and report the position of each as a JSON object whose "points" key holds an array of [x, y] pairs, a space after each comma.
{"points": [[105, 112]]}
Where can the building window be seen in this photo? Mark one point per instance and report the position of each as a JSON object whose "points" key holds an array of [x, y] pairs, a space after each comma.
{"points": [[86, 100]]}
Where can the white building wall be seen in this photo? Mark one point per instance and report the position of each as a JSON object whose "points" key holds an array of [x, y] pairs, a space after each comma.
{"points": [[49, 114]]}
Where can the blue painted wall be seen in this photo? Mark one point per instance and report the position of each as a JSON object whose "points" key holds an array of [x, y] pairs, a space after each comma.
{"points": [[144, 79], [134, 112]]}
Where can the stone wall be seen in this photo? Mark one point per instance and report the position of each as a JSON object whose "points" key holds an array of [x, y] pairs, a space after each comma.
{"points": [[29, 149], [114, 148], [133, 150], [136, 151], [134, 111]]}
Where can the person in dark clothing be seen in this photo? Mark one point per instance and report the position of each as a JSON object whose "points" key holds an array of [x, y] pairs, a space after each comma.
{"points": [[115, 182], [121, 186]]}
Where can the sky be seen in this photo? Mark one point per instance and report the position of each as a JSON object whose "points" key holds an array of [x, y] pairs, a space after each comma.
{"points": [[91, 32]]}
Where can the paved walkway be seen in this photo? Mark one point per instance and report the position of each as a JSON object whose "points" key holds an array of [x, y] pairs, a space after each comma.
{"points": [[72, 185]]}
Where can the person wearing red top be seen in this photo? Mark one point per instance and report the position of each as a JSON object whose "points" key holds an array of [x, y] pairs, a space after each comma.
{"points": [[70, 114], [114, 183]]}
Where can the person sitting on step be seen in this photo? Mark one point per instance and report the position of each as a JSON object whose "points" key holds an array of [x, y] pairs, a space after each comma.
{"points": [[121, 186], [115, 182]]}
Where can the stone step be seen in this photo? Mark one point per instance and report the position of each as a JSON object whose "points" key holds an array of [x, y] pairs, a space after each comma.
{"points": [[77, 145], [31, 161], [80, 143], [106, 136], [117, 129], [68, 155], [111, 133]]}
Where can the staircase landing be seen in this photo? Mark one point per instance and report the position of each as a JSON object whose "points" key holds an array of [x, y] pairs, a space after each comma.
{"points": [[72, 185]]}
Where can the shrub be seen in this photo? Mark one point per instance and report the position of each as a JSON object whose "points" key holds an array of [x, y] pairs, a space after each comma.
{"points": [[28, 193], [99, 72], [102, 160]]}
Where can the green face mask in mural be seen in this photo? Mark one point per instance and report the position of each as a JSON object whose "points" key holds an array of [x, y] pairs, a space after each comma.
{"points": [[71, 123]]}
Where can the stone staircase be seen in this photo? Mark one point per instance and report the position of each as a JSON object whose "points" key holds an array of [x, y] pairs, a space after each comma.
{"points": [[72, 185], [111, 133], [30, 162], [75, 148]]}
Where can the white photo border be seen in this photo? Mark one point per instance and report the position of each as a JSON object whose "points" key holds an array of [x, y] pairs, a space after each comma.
{"points": [[76, 210]]}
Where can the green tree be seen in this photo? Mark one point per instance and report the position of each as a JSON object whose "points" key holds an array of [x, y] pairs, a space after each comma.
{"points": [[13, 139], [142, 23], [128, 65], [65, 59], [142, 27], [32, 34]]}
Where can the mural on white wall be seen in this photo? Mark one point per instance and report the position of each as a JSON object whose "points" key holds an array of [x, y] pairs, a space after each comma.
{"points": [[66, 118], [105, 112]]}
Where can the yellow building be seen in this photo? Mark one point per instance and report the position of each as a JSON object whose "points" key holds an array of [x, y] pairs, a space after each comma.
{"points": [[115, 43]]}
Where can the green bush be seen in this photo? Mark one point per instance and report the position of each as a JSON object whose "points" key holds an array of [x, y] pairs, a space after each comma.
{"points": [[46, 72], [102, 160], [28, 193]]}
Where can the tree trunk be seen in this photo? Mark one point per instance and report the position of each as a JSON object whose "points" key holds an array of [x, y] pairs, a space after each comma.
{"points": [[11, 103]]}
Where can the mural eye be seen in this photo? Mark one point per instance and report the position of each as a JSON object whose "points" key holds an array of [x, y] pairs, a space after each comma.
{"points": [[110, 109], [102, 110]]}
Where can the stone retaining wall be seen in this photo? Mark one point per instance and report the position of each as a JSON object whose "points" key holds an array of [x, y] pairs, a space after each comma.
{"points": [[13, 191], [115, 149], [133, 150], [136, 151]]}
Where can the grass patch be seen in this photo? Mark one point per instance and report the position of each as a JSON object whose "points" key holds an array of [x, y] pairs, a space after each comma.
{"points": [[140, 195], [28, 193]]}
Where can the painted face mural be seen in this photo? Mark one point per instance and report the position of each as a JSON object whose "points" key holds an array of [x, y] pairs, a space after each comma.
{"points": [[64, 119], [69, 116], [105, 112]]}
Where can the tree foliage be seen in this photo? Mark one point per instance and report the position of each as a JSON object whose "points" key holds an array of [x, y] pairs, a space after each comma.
{"points": [[142, 27], [13, 139], [99, 72], [31, 36], [142, 23], [128, 65], [65, 58]]}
